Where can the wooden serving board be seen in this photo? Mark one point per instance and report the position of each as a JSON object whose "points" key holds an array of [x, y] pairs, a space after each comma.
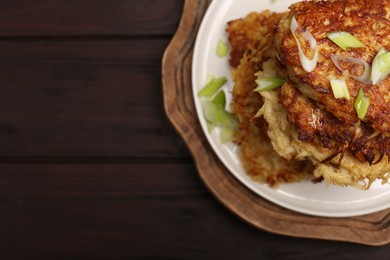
{"points": [[372, 229]]}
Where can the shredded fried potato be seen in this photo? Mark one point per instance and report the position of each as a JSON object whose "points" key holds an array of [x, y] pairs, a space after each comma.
{"points": [[271, 135]]}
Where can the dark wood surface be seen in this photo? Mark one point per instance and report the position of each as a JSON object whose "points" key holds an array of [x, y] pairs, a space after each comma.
{"points": [[90, 166], [370, 229]]}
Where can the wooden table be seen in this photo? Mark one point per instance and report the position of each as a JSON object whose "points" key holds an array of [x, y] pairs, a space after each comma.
{"points": [[90, 166]]}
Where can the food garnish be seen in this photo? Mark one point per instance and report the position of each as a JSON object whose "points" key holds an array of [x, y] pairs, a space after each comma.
{"points": [[217, 115], [220, 99], [340, 88], [269, 83], [380, 66], [361, 104], [222, 49], [214, 110], [212, 87], [345, 40], [308, 64], [364, 78]]}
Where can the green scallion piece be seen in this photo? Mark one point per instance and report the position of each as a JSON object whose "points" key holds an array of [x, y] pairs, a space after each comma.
{"points": [[268, 83], [340, 88], [386, 58], [361, 104], [217, 115], [220, 99], [345, 40], [222, 49], [212, 87], [380, 66], [227, 134], [210, 126]]}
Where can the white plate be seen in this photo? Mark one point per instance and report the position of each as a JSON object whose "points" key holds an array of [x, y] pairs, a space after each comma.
{"points": [[304, 197]]}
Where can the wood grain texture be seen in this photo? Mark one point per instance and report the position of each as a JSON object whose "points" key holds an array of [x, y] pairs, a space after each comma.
{"points": [[373, 229], [73, 18], [72, 186], [95, 98], [135, 211]]}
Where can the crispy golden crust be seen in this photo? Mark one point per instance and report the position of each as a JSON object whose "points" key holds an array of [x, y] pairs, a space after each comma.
{"points": [[368, 21], [251, 45], [294, 135], [252, 32], [339, 126], [339, 168], [318, 126]]}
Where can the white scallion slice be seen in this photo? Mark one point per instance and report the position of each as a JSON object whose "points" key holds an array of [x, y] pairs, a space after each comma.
{"points": [[265, 84], [361, 104], [212, 87], [340, 88], [227, 134], [217, 115], [308, 64], [364, 78], [345, 40], [380, 66], [222, 49]]}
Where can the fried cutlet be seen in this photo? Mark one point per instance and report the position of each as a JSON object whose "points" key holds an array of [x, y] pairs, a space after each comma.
{"points": [[368, 21], [368, 139], [251, 41], [345, 149], [303, 120]]}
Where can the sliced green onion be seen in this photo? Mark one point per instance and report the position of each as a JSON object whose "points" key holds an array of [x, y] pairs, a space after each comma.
{"points": [[220, 99], [307, 64], [386, 58], [340, 88], [210, 126], [214, 108], [217, 115], [380, 66], [364, 78], [265, 84], [227, 134], [212, 87], [361, 104], [222, 49], [345, 40]]}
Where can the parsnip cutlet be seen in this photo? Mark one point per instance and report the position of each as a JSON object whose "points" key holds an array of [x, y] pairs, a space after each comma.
{"points": [[367, 21], [251, 42], [337, 138]]}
